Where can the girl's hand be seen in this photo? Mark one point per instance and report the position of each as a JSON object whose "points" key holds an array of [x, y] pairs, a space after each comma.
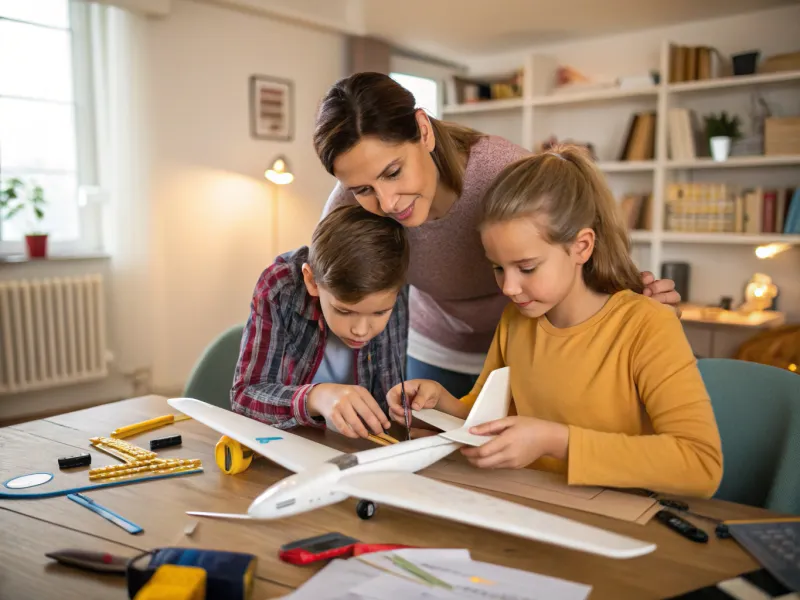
{"points": [[662, 290], [347, 408], [519, 442], [420, 393]]}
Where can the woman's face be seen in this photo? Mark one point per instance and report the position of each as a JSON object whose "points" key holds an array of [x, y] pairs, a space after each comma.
{"points": [[393, 180]]}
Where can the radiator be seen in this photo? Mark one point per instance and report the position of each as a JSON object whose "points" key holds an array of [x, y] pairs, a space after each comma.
{"points": [[52, 332]]}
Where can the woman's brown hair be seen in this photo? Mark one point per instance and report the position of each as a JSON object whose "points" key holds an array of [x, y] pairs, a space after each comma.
{"points": [[355, 253], [374, 104], [566, 187]]}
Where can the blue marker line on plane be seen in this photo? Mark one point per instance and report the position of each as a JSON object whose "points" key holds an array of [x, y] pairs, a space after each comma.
{"points": [[267, 440]]}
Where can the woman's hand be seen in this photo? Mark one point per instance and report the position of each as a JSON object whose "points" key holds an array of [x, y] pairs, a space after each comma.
{"points": [[348, 408], [420, 393], [662, 290], [519, 442]]}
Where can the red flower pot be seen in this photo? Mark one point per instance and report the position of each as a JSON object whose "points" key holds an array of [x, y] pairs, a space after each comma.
{"points": [[37, 245]]}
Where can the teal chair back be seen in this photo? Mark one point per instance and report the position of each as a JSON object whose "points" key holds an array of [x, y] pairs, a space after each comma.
{"points": [[211, 378], [757, 408]]}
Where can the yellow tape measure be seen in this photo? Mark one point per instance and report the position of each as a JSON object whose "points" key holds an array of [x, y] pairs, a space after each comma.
{"points": [[231, 456]]}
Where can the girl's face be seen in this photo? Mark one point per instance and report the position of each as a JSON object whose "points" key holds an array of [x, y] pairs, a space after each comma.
{"points": [[392, 180], [535, 274]]}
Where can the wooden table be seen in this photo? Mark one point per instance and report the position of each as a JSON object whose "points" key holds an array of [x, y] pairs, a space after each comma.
{"points": [[32, 527], [726, 329]]}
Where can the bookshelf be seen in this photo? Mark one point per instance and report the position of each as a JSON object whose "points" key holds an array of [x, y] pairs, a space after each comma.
{"points": [[539, 106]]}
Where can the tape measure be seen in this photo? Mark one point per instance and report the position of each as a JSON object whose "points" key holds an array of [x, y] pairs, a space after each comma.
{"points": [[231, 456]]}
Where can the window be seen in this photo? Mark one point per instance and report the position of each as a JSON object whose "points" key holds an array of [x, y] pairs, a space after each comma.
{"points": [[38, 137], [426, 91]]}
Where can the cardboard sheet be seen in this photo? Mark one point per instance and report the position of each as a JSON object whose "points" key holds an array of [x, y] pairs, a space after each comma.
{"points": [[551, 488]]}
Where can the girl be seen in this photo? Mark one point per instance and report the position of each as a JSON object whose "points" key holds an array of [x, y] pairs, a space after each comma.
{"points": [[604, 384], [430, 176]]}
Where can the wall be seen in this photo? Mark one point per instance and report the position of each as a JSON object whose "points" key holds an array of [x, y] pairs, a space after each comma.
{"points": [[210, 203], [188, 229], [717, 270]]}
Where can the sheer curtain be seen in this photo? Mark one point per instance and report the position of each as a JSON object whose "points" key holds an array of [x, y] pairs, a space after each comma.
{"points": [[115, 71]]}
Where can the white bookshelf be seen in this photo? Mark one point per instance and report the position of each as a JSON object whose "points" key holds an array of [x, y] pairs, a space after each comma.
{"points": [[735, 162], [538, 98], [760, 80]]}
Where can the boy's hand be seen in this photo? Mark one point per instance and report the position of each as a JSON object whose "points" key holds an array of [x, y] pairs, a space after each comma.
{"points": [[348, 408], [519, 442], [662, 290], [420, 393]]}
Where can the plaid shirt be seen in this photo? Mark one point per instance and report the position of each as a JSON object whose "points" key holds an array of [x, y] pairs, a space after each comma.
{"points": [[284, 342]]}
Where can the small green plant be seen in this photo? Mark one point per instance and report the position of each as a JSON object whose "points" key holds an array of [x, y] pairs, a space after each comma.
{"points": [[723, 126], [16, 197]]}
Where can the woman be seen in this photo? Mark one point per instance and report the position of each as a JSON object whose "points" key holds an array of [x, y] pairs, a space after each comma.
{"points": [[431, 176]]}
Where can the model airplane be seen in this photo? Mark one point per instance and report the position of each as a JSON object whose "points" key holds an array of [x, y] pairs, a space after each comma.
{"points": [[386, 474]]}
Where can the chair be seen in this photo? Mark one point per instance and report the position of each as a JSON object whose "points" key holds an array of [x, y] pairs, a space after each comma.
{"points": [[757, 408], [212, 376]]}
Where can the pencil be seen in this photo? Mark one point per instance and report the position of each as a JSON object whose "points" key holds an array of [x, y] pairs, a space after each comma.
{"points": [[379, 441], [148, 425]]}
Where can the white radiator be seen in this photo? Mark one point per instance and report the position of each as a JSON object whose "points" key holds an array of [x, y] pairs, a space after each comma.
{"points": [[52, 332]]}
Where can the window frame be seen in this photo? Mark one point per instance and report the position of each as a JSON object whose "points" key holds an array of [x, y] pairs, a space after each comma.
{"points": [[89, 238]]}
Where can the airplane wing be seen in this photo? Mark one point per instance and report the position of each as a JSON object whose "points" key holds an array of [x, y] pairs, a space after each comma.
{"points": [[422, 494], [438, 419], [289, 450]]}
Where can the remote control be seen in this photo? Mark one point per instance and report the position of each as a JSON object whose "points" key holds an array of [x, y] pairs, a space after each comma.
{"points": [[682, 526]]}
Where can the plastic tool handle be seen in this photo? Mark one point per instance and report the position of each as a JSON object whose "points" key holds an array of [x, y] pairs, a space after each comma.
{"points": [[682, 526], [116, 519]]}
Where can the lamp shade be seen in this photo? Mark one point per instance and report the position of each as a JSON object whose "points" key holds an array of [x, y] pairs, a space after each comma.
{"points": [[279, 172]]}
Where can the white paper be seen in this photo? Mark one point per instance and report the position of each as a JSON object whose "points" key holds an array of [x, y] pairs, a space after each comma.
{"points": [[375, 577], [336, 581], [472, 578], [388, 586]]}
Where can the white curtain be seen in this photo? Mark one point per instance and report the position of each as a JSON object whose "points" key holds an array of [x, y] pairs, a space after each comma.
{"points": [[116, 104]]}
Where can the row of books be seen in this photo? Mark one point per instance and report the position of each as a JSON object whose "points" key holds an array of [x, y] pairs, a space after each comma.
{"points": [[640, 140], [721, 208], [684, 135], [463, 90], [694, 63]]}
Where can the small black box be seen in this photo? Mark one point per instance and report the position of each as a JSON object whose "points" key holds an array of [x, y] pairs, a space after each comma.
{"points": [[79, 460], [165, 442]]}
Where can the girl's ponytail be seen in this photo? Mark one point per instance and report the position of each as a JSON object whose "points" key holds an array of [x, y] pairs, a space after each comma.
{"points": [[564, 185]]}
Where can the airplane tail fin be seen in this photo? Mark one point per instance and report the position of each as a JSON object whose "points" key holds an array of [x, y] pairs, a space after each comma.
{"points": [[494, 400]]}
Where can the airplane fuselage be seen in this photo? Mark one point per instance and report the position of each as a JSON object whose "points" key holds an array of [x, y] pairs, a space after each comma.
{"points": [[315, 487]]}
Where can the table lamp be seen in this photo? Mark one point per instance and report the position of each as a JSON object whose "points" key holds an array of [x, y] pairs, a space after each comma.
{"points": [[771, 250], [759, 293], [278, 174]]}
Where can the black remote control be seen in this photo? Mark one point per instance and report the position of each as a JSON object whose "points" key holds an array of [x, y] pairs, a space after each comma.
{"points": [[682, 526]]}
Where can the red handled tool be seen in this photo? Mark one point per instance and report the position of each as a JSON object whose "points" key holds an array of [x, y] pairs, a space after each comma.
{"points": [[328, 546]]}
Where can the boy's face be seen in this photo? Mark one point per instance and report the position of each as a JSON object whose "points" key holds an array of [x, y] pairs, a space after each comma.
{"points": [[354, 324]]}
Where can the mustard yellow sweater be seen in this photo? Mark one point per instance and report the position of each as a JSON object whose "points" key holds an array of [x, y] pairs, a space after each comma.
{"points": [[626, 383]]}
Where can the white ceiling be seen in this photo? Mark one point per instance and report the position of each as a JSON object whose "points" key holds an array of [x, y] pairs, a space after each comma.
{"points": [[457, 29]]}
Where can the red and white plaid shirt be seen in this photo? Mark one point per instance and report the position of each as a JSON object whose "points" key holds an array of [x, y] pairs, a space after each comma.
{"points": [[284, 342]]}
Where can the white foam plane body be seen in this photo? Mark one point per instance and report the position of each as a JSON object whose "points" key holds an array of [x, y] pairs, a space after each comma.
{"points": [[387, 475]]}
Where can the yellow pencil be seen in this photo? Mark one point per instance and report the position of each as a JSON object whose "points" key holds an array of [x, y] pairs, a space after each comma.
{"points": [[137, 428]]}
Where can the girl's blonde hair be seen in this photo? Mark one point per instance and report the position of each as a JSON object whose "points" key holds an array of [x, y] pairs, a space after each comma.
{"points": [[564, 185]]}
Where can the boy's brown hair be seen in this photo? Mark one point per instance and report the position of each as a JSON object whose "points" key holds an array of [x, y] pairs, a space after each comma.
{"points": [[565, 186], [355, 253]]}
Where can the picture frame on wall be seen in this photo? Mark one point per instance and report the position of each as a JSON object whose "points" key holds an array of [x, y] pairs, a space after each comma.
{"points": [[271, 108]]}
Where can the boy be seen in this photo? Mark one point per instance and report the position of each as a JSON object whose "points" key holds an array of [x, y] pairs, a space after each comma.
{"points": [[326, 335]]}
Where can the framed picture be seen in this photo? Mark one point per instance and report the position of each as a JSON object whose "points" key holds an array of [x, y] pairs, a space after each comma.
{"points": [[271, 110]]}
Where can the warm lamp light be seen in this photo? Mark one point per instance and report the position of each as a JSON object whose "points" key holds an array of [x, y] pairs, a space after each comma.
{"points": [[771, 250], [279, 173], [759, 293]]}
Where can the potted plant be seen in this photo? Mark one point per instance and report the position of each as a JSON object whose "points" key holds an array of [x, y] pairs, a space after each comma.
{"points": [[15, 198], [721, 130]]}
